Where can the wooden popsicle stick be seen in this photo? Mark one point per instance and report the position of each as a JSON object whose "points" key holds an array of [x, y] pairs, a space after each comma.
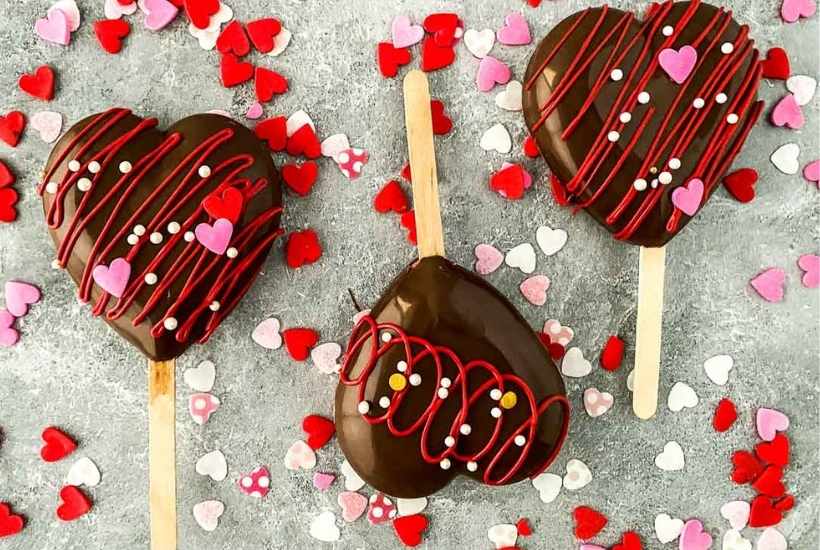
{"points": [[419, 120], [162, 454], [651, 271]]}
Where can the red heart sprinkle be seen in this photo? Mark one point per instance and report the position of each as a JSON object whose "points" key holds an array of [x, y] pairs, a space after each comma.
{"points": [[406, 174], [40, 84], [408, 221], [233, 40], [741, 184], [443, 28], [75, 503], [226, 205], [747, 467], [531, 147], [629, 541], [784, 504], [435, 57], [110, 33], [8, 198], [523, 527], [534, 3], [725, 415], [612, 354], [556, 350], [390, 58], [263, 32], [391, 197], [11, 127], [58, 445], [177, 3], [763, 513], [299, 341], [776, 66], [274, 131], [775, 452], [234, 72], [770, 482], [509, 182], [7, 177], [441, 122], [200, 11], [10, 524], [302, 248], [410, 528], [304, 142], [269, 83], [125, 2], [300, 177], [319, 430], [588, 522]]}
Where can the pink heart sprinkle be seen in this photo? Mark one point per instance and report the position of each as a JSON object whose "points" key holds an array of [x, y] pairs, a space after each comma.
{"points": [[201, 406], [770, 284], [788, 113], [215, 237], [515, 32], [687, 197], [693, 537], [810, 263], [352, 504], [812, 172], [404, 33], [491, 71], [323, 481], [678, 64], [488, 259], [48, 124], [255, 111], [792, 10], [19, 296], [535, 289], [54, 27], [114, 278], [158, 13], [8, 335], [255, 484], [769, 422]]}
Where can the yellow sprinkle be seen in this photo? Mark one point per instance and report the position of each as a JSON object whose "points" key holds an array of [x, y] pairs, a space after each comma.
{"points": [[397, 382], [508, 400]]}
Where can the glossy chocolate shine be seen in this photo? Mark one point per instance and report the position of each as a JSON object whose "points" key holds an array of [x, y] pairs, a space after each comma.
{"points": [[572, 133], [192, 287], [450, 307]]}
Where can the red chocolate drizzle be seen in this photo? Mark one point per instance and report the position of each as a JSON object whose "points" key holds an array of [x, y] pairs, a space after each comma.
{"points": [[416, 350]]}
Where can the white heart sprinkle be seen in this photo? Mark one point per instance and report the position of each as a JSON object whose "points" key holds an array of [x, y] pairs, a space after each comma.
{"points": [[410, 506], [300, 456], [772, 539], [578, 475], [207, 514], [213, 464], [548, 486], [503, 535], [550, 240], [717, 368], [521, 257], [682, 396], [733, 540], [280, 42], [787, 158], [574, 365], [803, 87], [84, 472], [510, 98], [352, 480], [48, 124], [498, 139], [671, 459], [325, 357], [266, 334], [736, 513], [201, 377], [334, 145], [479, 43], [667, 528], [597, 402], [323, 527]]}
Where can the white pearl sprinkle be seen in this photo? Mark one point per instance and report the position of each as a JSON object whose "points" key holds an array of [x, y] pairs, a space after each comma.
{"points": [[132, 239], [139, 230], [643, 98], [668, 30], [654, 183], [173, 228], [415, 379], [125, 167], [674, 163], [449, 441], [698, 103], [520, 440], [727, 48], [232, 252], [189, 236], [443, 393], [465, 429], [626, 118], [364, 407], [665, 178], [51, 187], [495, 394], [384, 402], [732, 118], [401, 366], [83, 184], [616, 74], [613, 136], [214, 306], [446, 382], [94, 167], [150, 278], [639, 184], [170, 323], [74, 165], [445, 464], [472, 466], [386, 336], [721, 98], [204, 171], [156, 237], [495, 412]]}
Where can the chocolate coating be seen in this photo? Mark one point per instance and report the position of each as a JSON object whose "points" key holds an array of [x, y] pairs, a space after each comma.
{"points": [[103, 227], [448, 306], [566, 154]]}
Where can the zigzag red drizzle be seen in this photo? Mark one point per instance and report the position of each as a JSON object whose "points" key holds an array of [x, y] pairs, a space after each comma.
{"points": [[249, 242], [417, 349]]}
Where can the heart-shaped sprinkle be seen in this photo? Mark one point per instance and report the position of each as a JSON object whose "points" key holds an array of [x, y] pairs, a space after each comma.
{"points": [[548, 486], [114, 278], [233, 39], [491, 72], [509, 99], [515, 32], [300, 456], [681, 396], [521, 257], [71, 11], [213, 465], [803, 88], [597, 402], [792, 10], [323, 527], [786, 158], [511, 181], [535, 289], [775, 452], [613, 353], [7, 177], [442, 123], [233, 71], [335, 144], [763, 513], [74, 503], [390, 58], [48, 124], [444, 27], [770, 284], [671, 459], [158, 14], [266, 334], [725, 415], [300, 177], [578, 475], [479, 43], [551, 241], [302, 248], [380, 510], [201, 378], [255, 484], [736, 513], [201, 11], [503, 535], [497, 138], [201, 406], [687, 198], [40, 84], [352, 504], [404, 33], [787, 112], [409, 529], [325, 357], [769, 422], [693, 537], [208, 35], [8, 335], [734, 540], [54, 27], [574, 364], [58, 444], [776, 66], [812, 172], [10, 524], [352, 480], [84, 472], [557, 333], [678, 64], [810, 264], [667, 528], [11, 127], [268, 83], [255, 111], [351, 162], [741, 184], [299, 342], [322, 480], [20, 295], [391, 198], [111, 34], [114, 9], [524, 527], [410, 506], [207, 514], [717, 368], [488, 259], [772, 539], [319, 430], [588, 522], [264, 33], [281, 42], [746, 467]]}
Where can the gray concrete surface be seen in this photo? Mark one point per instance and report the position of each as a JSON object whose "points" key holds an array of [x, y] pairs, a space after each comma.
{"points": [[71, 370]]}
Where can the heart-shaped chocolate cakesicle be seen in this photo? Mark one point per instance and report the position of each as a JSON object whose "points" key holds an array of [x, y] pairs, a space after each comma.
{"points": [[163, 232], [444, 377], [639, 120]]}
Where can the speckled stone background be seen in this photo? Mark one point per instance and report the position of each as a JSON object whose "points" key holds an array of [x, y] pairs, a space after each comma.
{"points": [[71, 370]]}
